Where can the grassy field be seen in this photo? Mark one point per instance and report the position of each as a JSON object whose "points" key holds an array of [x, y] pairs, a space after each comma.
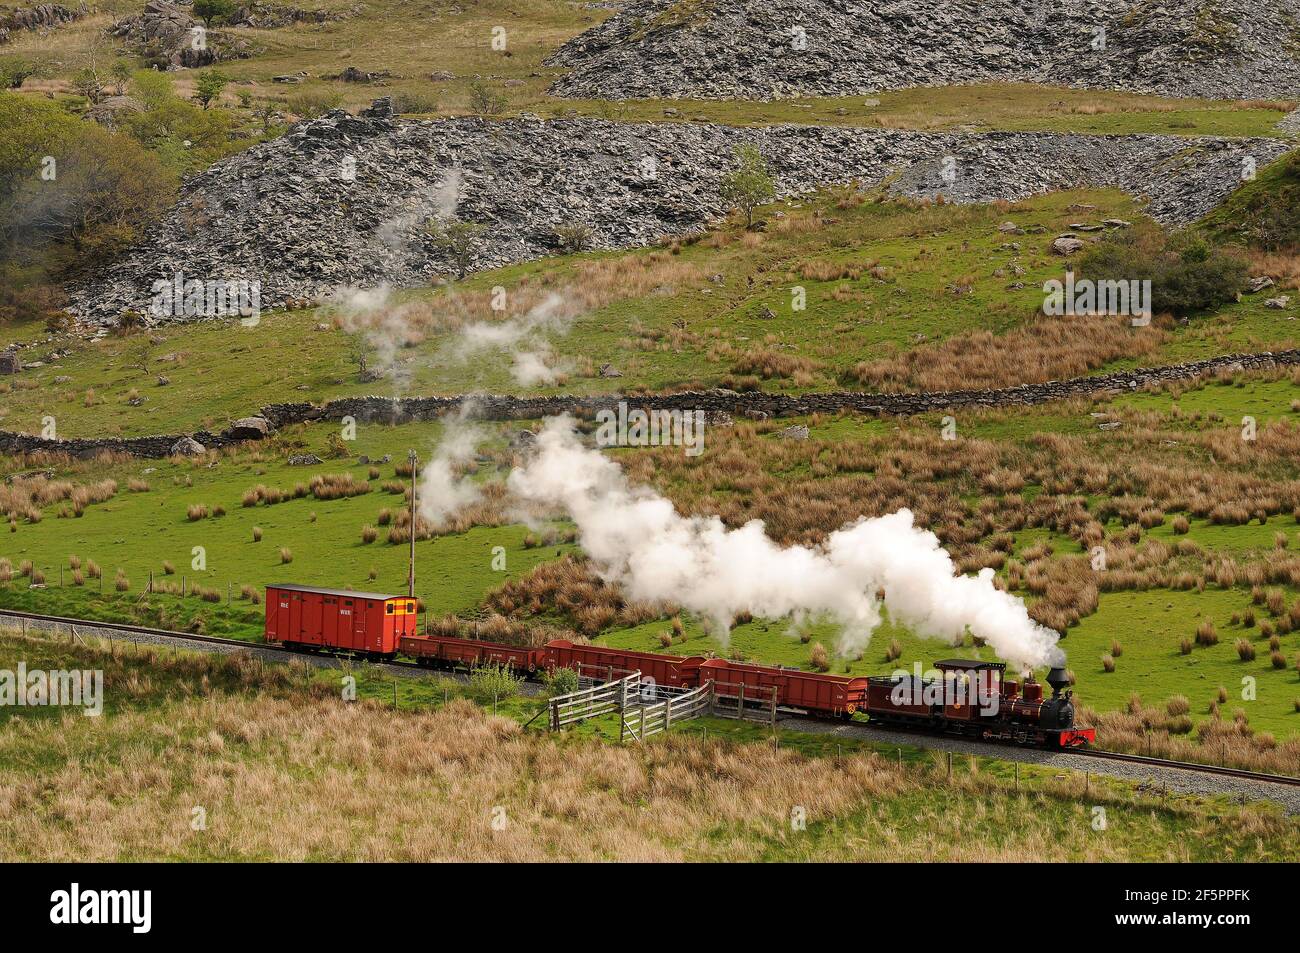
{"points": [[140, 532], [882, 281], [209, 758]]}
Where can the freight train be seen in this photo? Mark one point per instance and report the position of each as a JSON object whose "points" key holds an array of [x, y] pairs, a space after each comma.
{"points": [[966, 698]]}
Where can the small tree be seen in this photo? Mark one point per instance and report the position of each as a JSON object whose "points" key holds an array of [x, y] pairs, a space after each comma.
{"points": [[459, 241], [121, 75], [485, 101], [86, 81], [560, 681], [749, 185], [209, 10], [14, 72], [360, 350], [208, 87]]}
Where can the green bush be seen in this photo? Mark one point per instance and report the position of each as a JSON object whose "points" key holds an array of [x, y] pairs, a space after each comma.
{"points": [[209, 10], [485, 101], [14, 71], [414, 103], [1187, 273], [169, 121], [560, 681], [492, 683]]}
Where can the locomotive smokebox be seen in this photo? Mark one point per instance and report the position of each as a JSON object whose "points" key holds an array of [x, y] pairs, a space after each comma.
{"points": [[1058, 680]]}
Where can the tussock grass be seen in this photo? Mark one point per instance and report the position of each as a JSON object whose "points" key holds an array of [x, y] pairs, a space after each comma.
{"points": [[231, 735]]}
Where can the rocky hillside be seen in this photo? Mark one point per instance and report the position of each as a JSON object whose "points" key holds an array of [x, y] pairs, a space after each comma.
{"points": [[763, 49], [343, 199]]}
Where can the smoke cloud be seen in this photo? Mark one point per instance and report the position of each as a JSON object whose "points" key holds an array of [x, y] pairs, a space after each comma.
{"points": [[443, 490], [637, 539], [386, 326], [524, 339]]}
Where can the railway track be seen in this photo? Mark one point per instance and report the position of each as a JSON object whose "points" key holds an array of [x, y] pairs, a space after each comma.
{"points": [[174, 636], [241, 644], [1187, 766]]}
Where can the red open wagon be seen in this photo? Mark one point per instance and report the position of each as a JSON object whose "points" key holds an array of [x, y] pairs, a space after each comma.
{"points": [[432, 649], [812, 691], [606, 664]]}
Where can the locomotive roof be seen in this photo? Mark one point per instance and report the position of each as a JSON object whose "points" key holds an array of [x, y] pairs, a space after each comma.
{"points": [[348, 593], [967, 665]]}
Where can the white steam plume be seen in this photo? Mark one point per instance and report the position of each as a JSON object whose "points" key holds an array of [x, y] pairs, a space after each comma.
{"points": [[447, 195], [443, 490], [524, 338], [386, 325], [637, 539], [397, 232]]}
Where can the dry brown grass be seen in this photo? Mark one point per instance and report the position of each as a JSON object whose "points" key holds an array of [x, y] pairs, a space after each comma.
{"points": [[286, 770], [333, 486], [592, 284], [1046, 349], [1167, 732], [24, 497], [583, 600]]}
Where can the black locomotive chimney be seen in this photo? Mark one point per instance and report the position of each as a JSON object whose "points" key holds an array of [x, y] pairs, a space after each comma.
{"points": [[1058, 680]]}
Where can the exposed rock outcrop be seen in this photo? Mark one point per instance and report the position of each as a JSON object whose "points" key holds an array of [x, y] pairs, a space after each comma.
{"points": [[765, 49], [270, 16], [45, 16], [343, 200], [171, 37]]}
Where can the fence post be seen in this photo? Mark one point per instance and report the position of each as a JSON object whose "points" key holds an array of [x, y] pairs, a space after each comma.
{"points": [[740, 705], [774, 706], [949, 765], [151, 582]]}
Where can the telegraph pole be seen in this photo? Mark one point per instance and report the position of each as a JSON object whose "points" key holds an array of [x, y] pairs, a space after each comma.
{"points": [[410, 575]]}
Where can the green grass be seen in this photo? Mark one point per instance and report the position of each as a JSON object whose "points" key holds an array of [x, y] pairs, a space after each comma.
{"points": [[1268, 401], [138, 532], [1149, 626]]}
